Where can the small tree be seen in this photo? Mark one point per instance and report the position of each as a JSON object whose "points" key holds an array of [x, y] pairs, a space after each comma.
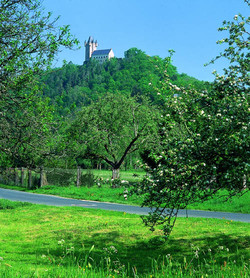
{"points": [[205, 139], [111, 128]]}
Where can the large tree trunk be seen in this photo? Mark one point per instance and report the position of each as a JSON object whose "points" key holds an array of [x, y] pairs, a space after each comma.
{"points": [[115, 173]]}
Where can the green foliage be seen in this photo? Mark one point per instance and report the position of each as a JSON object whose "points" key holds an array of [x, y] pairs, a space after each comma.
{"points": [[72, 86], [29, 41], [25, 134], [112, 128], [204, 139], [88, 179], [237, 52]]}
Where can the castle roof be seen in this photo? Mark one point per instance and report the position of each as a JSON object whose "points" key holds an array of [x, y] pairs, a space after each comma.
{"points": [[91, 39], [101, 52]]}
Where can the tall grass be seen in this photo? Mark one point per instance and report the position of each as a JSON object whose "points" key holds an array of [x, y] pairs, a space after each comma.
{"points": [[41, 241], [107, 268]]}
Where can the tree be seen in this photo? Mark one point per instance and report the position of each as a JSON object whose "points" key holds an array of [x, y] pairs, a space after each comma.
{"points": [[26, 132], [29, 41], [205, 139], [111, 128]]}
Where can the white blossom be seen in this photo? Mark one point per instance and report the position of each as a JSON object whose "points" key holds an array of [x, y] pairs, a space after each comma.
{"points": [[123, 181]]}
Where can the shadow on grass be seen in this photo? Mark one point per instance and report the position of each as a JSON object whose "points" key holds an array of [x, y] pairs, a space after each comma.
{"points": [[110, 247]]}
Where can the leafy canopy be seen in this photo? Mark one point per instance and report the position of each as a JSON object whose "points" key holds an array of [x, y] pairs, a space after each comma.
{"points": [[29, 41], [113, 127]]}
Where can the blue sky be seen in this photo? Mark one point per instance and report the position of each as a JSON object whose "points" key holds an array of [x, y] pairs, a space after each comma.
{"points": [[187, 26]]}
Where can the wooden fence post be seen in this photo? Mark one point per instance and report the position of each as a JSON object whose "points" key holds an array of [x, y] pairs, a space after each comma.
{"points": [[41, 177], [30, 179], [12, 176], [8, 176], [16, 177], [22, 176], [78, 180]]}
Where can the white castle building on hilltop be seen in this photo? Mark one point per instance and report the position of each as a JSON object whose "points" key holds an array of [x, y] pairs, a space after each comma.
{"points": [[99, 55]]}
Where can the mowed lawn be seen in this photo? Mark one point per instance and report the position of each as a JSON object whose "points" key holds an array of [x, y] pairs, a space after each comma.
{"points": [[43, 241]]}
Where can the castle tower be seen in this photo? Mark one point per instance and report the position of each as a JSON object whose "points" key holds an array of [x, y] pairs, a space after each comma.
{"points": [[90, 47]]}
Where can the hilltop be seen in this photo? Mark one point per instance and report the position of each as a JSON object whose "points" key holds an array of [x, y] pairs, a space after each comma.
{"points": [[73, 86]]}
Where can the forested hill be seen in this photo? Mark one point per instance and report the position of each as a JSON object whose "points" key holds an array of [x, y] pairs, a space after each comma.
{"points": [[73, 86]]}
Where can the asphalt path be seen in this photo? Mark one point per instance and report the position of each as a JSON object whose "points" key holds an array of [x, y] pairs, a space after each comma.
{"points": [[50, 200]]}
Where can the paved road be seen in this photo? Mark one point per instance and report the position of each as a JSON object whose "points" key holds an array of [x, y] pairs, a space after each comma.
{"points": [[14, 195]]}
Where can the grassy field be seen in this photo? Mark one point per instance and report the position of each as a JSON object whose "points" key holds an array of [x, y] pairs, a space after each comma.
{"points": [[135, 175], [41, 241], [221, 203]]}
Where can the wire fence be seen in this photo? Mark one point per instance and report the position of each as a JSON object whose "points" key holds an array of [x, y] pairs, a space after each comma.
{"points": [[39, 177]]}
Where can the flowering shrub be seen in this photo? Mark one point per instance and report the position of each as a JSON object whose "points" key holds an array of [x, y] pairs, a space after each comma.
{"points": [[204, 139]]}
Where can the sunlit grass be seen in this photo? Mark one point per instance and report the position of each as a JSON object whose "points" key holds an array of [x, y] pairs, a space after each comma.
{"points": [[60, 242], [133, 175], [220, 202]]}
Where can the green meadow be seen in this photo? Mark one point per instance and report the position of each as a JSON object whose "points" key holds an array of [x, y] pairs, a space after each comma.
{"points": [[43, 241]]}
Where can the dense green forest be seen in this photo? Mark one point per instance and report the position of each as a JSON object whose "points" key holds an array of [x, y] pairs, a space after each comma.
{"points": [[136, 78], [73, 86]]}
